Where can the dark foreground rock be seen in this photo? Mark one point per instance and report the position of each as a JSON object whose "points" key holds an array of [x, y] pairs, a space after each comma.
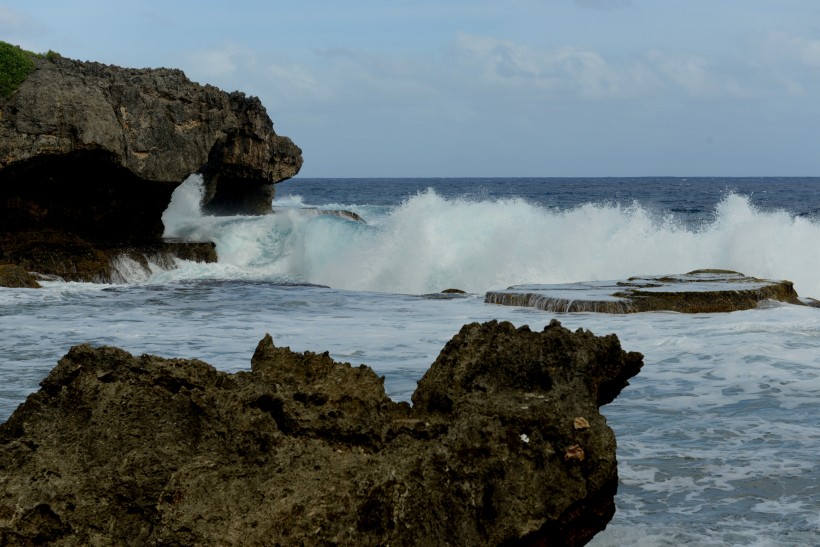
{"points": [[504, 445], [700, 291], [94, 151]]}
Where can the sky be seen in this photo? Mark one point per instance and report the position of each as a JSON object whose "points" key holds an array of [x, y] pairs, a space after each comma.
{"points": [[475, 88]]}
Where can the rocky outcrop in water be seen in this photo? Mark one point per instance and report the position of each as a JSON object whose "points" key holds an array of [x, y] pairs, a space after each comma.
{"points": [[14, 276], [504, 445], [700, 291], [68, 257], [95, 151]]}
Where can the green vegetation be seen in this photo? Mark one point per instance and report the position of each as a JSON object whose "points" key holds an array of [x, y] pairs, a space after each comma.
{"points": [[15, 65]]}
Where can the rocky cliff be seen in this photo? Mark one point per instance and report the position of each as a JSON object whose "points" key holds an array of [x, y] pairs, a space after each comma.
{"points": [[95, 151], [504, 445]]}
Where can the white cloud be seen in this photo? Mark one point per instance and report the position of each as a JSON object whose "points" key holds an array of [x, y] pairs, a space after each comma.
{"points": [[697, 76], [217, 63], [17, 27], [12, 21], [584, 73], [484, 72], [603, 4], [232, 66], [296, 80], [779, 46], [566, 70], [788, 63]]}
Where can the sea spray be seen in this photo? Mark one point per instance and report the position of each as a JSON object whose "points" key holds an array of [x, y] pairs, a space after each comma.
{"points": [[718, 436], [184, 212], [428, 243]]}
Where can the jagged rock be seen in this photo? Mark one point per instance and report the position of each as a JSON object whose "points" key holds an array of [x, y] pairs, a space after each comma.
{"points": [[14, 276], [699, 291], [95, 151], [504, 444]]}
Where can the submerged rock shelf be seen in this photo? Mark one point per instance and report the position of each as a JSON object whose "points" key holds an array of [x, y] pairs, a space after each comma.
{"points": [[700, 291], [315, 211], [504, 445]]}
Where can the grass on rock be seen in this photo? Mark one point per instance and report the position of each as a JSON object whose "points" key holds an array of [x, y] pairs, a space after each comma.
{"points": [[15, 66]]}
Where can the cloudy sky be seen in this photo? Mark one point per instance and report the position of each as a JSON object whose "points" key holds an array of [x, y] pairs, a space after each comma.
{"points": [[399, 88]]}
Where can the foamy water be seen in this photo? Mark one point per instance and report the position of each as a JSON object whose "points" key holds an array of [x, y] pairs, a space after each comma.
{"points": [[718, 438], [429, 243], [717, 435]]}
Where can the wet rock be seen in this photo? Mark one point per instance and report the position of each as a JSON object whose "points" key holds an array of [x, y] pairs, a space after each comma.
{"points": [[13, 276], [71, 258], [699, 291], [315, 211], [118, 449]]}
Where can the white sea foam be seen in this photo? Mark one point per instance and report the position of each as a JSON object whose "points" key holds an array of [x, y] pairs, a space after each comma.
{"points": [[717, 436], [429, 243]]}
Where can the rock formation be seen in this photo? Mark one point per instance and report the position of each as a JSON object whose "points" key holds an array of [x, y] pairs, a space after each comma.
{"points": [[504, 444], [72, 258], [700, 291], [95, 151], [14, 276]]}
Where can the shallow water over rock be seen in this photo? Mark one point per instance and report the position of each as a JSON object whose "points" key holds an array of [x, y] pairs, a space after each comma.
{"points": [[700, 291]]}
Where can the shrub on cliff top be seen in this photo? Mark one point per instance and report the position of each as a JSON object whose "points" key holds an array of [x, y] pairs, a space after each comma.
{"points": [[15, 65]]}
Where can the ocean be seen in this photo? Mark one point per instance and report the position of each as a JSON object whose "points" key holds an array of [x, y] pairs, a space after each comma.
{"points": [[718, 436]]}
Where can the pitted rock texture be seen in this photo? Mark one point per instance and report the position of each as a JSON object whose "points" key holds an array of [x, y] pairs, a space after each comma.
{"points": [[97, 150], [504, 445]]}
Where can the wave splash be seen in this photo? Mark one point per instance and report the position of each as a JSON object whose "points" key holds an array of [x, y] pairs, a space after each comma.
{"points": [[429, 243]]}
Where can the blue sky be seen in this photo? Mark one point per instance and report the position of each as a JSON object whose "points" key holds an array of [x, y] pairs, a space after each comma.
{"points": [[485, 88]]}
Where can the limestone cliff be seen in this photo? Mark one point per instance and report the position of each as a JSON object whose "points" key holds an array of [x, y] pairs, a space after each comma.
{"points": [[90, 154], [97, 150], [504, 445]]}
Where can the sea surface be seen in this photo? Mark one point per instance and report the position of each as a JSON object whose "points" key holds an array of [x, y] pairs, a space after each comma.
{"points": [[718, 436]]}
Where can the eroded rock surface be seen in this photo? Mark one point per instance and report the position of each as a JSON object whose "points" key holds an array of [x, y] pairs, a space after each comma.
{"points": [[504, 444], [700, 291], [95, 151], [72, 258], [99, 149], [14, 276]]}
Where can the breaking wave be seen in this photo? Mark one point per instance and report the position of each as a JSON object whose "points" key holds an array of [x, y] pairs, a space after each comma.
{"points": [[429, 243]]}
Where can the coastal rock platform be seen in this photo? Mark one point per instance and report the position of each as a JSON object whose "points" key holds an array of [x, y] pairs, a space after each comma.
{"points": [[65, 256], [699, 291], [504, 444]]}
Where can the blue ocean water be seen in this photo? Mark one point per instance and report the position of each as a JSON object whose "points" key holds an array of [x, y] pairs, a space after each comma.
{"points": [[718, 436]]}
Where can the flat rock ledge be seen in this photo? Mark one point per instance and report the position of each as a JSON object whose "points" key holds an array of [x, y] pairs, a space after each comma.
{"points": [[699, 291], [67, 257], [504, 445]]}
